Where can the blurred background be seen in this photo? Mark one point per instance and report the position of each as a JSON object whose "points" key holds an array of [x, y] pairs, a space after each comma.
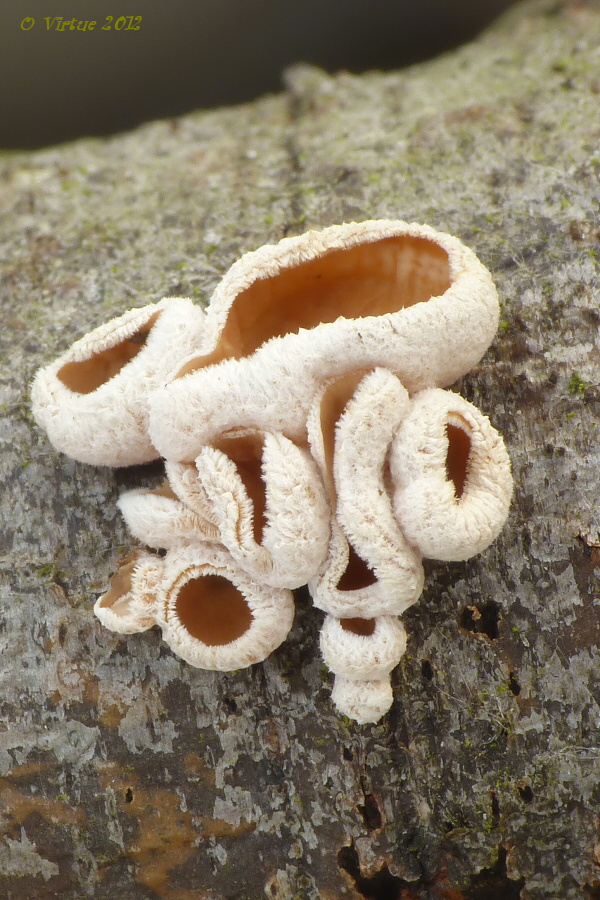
{"points": [[59, 85]]}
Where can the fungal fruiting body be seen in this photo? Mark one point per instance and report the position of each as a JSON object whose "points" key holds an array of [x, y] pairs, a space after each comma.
{"points": [[265, 493], [212, 614], [370, 568], [93, 400], [451, 476], [289, 316], [362, 653], [307, 438], [160, 520]]}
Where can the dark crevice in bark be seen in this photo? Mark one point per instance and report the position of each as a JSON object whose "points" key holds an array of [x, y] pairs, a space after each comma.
{"points": [[371, 813], [494, 884], [526, 794], [426, 670], [513, 684], [481, 619], [381, 886]]}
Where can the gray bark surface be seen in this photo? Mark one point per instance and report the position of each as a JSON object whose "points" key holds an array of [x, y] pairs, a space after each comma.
{"points": [[126, 773]]}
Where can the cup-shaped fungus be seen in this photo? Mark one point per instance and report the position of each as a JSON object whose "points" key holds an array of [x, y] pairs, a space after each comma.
{"points": [[93, 400], [214, 616], [362, 654], [289, 316], [370, 569], [363, 701], [269, 503], [451, 476], [363, 649], [211, 613]]}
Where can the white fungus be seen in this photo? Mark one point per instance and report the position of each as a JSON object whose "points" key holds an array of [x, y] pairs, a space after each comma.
{"points": [[307, 438]]}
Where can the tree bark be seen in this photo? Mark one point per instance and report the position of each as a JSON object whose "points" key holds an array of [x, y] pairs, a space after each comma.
{"points": [[127, 773]]}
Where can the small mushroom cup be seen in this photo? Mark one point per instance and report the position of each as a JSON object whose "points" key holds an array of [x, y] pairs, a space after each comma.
{"points": [[211, 613], [93, 400], [362, 654], [451, 477]]}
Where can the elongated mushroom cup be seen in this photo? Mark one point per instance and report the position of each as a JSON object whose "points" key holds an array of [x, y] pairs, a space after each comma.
{"points": [[161, 520], [93, 400], [288, 317], [370, 569], [266, 496], [451, 475]]}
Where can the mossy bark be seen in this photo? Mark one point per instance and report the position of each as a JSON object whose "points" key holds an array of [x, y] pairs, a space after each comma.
{"points": [[125, 772]]}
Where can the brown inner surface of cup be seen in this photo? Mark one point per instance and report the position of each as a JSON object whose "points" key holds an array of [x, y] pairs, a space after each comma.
{"points": [[213, 610], [363, 627], [246, 452], [368, 279], [458, 457], [164, 490], [116, 598], [90, 374]]}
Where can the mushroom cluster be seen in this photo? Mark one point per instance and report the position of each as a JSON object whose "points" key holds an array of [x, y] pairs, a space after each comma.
{"points": [[307, 439]]}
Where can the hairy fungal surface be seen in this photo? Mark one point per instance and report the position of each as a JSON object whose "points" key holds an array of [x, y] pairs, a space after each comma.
{"points": [[246, 452]]}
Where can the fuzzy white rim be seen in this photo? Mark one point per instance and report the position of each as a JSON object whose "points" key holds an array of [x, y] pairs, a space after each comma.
{"points": [[370, 655], [271, 609]]}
